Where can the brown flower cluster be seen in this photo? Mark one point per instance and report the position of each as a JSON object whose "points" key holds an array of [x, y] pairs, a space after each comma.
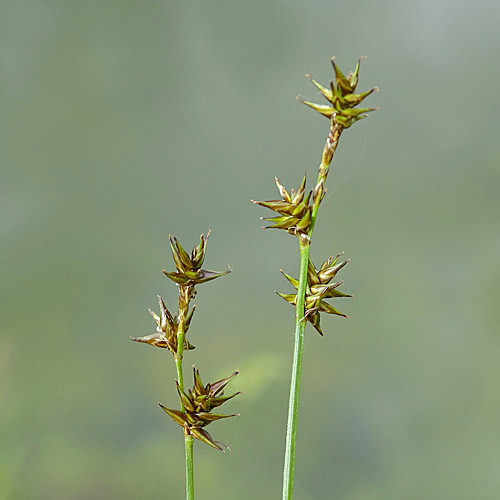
{"points": [[198, 403]]}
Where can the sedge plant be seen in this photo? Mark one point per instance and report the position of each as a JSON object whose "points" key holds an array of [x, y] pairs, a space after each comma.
{"points": [[196, 403], [297, 212]]}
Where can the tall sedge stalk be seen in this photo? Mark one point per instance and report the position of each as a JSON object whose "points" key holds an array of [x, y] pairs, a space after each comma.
{"points": [[196, 403], [297, 214]]}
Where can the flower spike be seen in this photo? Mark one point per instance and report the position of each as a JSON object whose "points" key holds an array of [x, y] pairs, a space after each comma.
{"points": [[342, 98], [294, 210], [318, 289], [189, 272], [166, 330], [198, 402]]}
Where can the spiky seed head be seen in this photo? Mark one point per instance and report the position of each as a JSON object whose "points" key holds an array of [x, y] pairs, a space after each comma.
{"points": [[167, 325], [198, 403], [189, 272], [318, 290], [342, 98], [294, 210]]}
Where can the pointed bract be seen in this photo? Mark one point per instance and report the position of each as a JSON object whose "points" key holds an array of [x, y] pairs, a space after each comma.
{"points": [[216, 387], [206, 438], [327, 93], [156, 339], [293, 281], [177, 416], [326, 111]]}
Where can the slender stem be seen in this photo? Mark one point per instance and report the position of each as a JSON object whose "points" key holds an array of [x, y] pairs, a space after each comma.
{"points": [[300, 320], [185, 293], [293, 405], [188, 443], [178, 357], [184, 298], [331, 144]]}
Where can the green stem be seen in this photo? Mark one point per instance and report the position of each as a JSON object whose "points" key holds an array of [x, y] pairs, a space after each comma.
{"points": [[184, 297], [188, 439], [300, 320], [178, 357], [188, 443], [293, 405]]}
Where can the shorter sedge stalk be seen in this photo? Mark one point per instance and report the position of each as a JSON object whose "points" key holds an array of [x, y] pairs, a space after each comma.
{"points": [[171, 329], [300, 321]]}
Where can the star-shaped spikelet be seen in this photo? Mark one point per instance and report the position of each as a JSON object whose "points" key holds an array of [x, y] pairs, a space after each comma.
{"points": [[318, 289], [166, 329], [189, 271], [342, 98], [294, 210], [198, 402]]}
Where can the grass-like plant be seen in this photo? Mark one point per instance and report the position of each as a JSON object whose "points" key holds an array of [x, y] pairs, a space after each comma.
{"points": [[297, 213], [196, 403]]}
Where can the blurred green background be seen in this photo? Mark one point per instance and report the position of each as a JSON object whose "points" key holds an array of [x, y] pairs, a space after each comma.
{"points": [[122, 122]]}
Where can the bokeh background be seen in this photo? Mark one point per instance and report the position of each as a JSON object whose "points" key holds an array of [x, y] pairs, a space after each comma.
{"points": [[123, 121]]}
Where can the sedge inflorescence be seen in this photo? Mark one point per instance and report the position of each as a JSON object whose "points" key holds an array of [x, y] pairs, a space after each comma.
{"points": [[171, 333]]}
